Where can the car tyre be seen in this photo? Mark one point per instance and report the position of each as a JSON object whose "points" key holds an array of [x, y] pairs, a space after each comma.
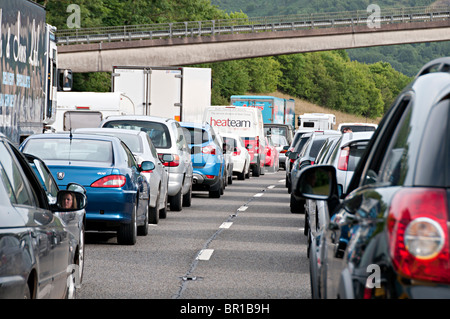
{"points": [[143, 229], [126, 235], [241, 176], [163, 211], [296, 206], [153, 212], [176, 202], [187, 198]]}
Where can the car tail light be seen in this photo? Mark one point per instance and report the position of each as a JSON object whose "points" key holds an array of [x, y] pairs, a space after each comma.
{"points": [[237, 152], [210, 176], [418, 234], [343, 158], [283, 151], [175, 162], [257, 143], [110, 181], [209, 150], [269, 152]]}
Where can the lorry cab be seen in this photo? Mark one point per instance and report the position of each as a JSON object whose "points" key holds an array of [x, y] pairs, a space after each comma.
{"points": [[246, 122]]}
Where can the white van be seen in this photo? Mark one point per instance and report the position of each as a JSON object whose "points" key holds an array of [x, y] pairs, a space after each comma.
{"points": [[88, 109], [246, 122]]}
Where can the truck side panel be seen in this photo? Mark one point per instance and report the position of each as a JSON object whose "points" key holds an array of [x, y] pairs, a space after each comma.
{"points": [[133, 82], [23, 62], [196, 93], [165, 93]]}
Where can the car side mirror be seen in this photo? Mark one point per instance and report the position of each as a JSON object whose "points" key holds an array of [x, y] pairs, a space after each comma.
{"points": [[316, 182], [70, 201], [293, 155], [147, 166], [74, 187]]}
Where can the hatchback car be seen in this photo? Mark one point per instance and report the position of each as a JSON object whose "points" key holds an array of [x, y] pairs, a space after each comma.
{"points": [[168, 138], [272, 156], [143, 149], [117, 192], [207, 159], [282, 145], [239, 156], [388, 237], [36, 247]]}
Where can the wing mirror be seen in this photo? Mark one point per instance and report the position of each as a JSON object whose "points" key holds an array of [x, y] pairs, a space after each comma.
{"points": [[70, 201], [147, 166], [316, 182]]}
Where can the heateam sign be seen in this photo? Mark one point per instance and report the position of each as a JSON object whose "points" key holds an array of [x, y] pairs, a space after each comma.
{"points": [[230, 123]]}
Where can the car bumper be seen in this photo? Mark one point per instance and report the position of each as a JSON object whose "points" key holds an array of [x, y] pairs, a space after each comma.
{"points": [[111, 206]]}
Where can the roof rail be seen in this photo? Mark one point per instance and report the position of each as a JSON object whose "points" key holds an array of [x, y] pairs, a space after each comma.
{"points": [[436, 65]]}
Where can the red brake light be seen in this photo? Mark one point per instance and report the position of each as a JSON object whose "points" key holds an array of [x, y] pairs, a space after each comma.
{"points": [[418, 234], [343, 158], [237, 152], [110, 181], [174, 163], [209, 150]]}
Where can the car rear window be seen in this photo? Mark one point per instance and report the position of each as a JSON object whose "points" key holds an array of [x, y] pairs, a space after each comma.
{"points": [[65, 149], [356, 152], [158, 132], [197, 135]]}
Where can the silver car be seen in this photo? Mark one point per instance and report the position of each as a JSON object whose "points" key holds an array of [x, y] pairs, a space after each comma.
{"points": [[173, 151], [143, 149]]}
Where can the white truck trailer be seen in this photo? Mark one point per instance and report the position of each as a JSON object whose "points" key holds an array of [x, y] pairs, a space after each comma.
{"points": [[87, 109], [316, 121], [180, 93]]}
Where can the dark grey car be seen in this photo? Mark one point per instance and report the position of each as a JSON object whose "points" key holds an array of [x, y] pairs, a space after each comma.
{"points": [[388, 237], [36, 247]]}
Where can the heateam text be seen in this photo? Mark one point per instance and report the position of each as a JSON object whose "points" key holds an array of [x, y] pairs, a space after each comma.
{"points": [[230, 123]]}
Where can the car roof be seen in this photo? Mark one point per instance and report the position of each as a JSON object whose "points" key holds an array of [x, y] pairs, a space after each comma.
{"points": [[138, 118], [107, 129], [74, 136]]}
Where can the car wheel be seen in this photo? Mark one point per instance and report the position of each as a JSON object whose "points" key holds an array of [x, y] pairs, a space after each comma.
{"points": [[153, 212], [187, 198], [241, 176], [126, 235], [296, 206], [143, 229], [163, 211], [176, 202], [256, 170]]}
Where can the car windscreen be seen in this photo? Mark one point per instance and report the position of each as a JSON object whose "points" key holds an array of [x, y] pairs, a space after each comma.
{"points": [[158, 132], [65, 149]]}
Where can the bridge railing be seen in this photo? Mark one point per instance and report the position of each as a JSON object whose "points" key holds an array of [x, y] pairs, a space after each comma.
{"points": [[251, 25]]}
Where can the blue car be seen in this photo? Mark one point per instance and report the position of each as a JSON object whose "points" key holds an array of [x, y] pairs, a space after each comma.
{"points": [[117, 192], [207, 158]]}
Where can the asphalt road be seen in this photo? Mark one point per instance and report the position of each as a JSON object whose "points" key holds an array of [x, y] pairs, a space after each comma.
{"points": [[244, 245]]}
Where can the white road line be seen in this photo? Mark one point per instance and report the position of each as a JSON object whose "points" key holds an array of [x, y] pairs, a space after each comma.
{"points": [[258, 195], [281, 180], [271, 186], [242, 208], [204, 254], [226, 225]]}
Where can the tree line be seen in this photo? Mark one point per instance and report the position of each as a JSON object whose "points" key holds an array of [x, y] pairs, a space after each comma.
{"points": [[329, 78]]}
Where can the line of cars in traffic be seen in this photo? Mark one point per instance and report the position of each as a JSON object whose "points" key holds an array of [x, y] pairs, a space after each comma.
{"points": [[119, 177], [383, 233]]}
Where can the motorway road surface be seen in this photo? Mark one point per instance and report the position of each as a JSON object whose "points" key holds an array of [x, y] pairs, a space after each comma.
{"points": [[244, 245]]}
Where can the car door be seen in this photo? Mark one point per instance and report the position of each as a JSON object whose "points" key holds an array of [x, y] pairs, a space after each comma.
{"points": [[352, 230], [185, 155], [140, 182], [51, 238], [162, 172]]}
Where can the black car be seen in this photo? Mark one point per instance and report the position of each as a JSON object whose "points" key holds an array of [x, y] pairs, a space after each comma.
{"points": [[36, 256], [388, 237]]}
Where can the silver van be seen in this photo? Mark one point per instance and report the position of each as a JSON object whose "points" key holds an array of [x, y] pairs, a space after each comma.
{"points": [[173, 151]]}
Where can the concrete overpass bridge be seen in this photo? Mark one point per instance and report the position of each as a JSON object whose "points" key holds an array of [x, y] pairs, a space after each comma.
{"points": [[185, 43]]}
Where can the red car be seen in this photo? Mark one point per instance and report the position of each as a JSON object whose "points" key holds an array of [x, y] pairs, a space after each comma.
{"points": [[272, 155]]}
